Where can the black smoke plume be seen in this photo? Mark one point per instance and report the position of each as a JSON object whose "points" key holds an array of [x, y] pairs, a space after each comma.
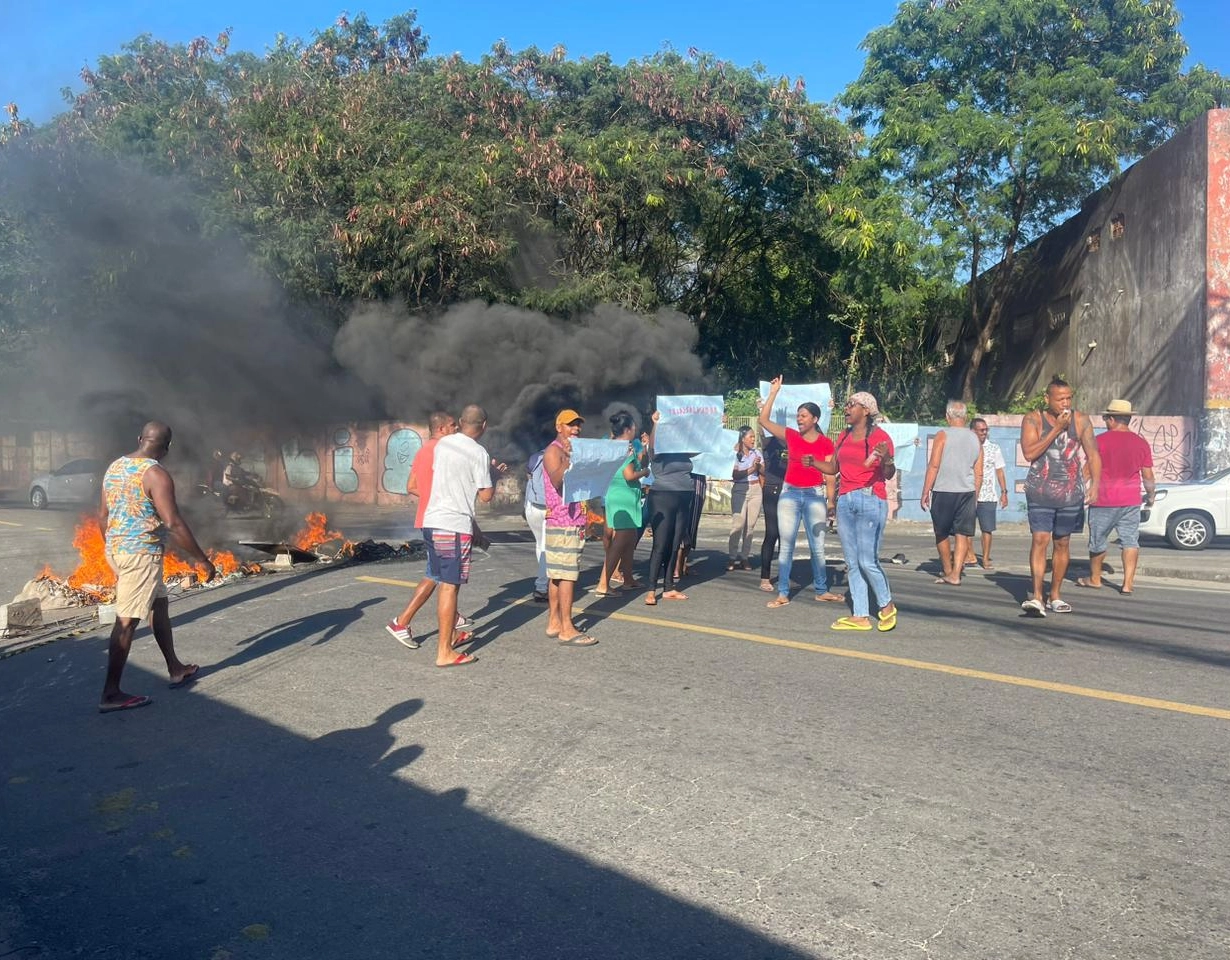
{"points": [[146, 309], [521, 365]]}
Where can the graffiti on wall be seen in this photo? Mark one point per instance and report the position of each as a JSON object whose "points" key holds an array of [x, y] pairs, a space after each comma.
{"points": [[300, 464], [354, 462], [345, 459], [399, 451], [370, 463]]}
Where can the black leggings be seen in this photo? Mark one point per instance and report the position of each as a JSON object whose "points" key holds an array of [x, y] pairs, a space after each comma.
{"points": [[669, 512], [768, 549]]}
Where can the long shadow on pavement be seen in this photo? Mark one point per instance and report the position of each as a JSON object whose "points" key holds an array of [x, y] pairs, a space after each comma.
{"points": [[195, 829]]}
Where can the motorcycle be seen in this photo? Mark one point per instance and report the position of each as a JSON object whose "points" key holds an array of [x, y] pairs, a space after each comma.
{"points": [[250, 499]]}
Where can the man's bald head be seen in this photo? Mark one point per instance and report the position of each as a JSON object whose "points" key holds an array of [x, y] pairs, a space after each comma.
{"points": [[473, 420], [155, 434]]}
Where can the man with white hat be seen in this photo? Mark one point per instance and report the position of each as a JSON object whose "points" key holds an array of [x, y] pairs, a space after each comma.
{"points": [[1126, 462]]}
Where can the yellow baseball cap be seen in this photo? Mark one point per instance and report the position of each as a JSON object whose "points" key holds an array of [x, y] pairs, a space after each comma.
{"points": [[567, 417]]}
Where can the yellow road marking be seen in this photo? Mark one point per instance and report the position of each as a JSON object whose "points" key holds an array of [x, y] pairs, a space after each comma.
{"points": [[391, 583], [6, 523], [1091, 692]]}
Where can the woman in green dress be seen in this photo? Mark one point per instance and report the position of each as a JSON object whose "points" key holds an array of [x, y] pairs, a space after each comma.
{"points": [[625, 505]]}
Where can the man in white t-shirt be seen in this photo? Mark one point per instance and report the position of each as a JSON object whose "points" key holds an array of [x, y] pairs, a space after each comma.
{"points": [[462, 469], [992, 480]]}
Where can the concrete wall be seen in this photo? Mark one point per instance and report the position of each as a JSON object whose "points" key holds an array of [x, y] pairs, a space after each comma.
{"points": [[353, 464], [368, 464], [1215, 428], [1127, 272]]}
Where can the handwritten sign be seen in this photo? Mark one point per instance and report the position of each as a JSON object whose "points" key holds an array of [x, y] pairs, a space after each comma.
{"points": [[905, 437], [690, 423], [594, 463], [793, 395], [718, 464]]}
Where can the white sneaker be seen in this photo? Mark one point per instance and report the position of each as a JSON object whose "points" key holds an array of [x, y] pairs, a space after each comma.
{"points": [[1033, 607]]}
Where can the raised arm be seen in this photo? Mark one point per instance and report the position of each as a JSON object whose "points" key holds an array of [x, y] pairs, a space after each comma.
{"points": [[1033, 441], [766, 412]]}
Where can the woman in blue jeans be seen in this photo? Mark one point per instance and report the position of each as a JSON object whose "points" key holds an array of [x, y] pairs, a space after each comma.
{"points": [[864, 461], [807, 494]]}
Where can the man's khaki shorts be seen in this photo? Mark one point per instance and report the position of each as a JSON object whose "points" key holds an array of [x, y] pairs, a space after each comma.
{"points": [[139, 583]]}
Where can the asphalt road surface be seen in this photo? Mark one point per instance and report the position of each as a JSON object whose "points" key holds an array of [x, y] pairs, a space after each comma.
{"points": [[712, 780]]}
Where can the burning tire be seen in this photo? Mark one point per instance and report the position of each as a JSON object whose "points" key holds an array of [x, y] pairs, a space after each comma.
{"points": [[38, 498]]}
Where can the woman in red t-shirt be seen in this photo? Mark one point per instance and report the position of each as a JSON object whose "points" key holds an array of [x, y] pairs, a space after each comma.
{"points": [[807, 494], [864, 459]]}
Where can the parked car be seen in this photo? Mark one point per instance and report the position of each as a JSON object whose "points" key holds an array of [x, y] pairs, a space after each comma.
{"points": [[1190, 515], [78, 481]]}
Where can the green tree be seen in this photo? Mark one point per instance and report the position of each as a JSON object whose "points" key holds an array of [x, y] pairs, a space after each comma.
{"points": [[998, 116]]}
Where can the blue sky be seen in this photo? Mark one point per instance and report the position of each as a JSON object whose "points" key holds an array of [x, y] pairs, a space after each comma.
{"points": [[43, 47]]}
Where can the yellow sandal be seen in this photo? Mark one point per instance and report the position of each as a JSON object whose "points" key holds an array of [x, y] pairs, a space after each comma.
{"points": [[848, 623]]}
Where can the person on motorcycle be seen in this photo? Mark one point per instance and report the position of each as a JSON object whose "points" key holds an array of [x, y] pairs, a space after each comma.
{"points": [[213, 473], [238, 489]]}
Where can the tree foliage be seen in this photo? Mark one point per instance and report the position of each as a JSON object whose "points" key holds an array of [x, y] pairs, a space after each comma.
{"points": [[355, 166], [998, 116]]}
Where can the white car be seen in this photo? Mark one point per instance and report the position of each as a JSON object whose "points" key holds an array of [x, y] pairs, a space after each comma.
{"points": [[78, 481], [1190, 515]]}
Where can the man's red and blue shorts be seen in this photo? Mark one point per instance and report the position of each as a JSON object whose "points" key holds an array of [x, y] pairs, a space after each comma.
{"points": [[448, 556]]}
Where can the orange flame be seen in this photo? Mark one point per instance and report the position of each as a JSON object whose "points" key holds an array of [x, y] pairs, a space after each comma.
{"points": [[92, 567], [93, 574], [315, 532]]}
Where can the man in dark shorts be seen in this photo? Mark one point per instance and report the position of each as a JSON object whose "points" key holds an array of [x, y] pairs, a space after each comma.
{"points": [[1053, 440], [461, 471], [950, 489]]}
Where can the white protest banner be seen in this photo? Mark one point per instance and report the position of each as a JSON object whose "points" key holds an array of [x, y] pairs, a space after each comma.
{"points": [[690, 423], [905, 442], [718, 464], [792, 396], [594, 463]]}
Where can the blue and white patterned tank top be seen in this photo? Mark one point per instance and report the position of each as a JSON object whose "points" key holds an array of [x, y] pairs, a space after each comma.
{"points": [[133, 525]]}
